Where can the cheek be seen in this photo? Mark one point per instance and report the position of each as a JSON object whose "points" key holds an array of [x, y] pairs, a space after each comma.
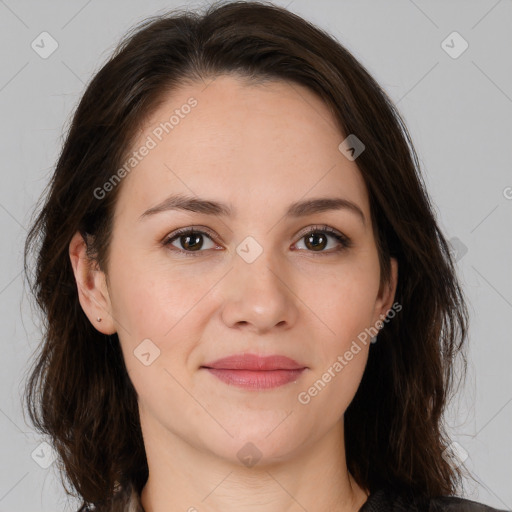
{"points": [[161, 304], [330, 393], [344, 301], [340, 355], [154, 318], [149, 298], [140, 304]]}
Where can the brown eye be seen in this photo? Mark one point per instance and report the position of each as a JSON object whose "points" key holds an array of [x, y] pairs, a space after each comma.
{"points": [[317, 240], [189, 241]]}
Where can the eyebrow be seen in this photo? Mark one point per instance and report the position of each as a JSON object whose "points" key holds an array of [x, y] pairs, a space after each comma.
{"points": [[297, 209]]}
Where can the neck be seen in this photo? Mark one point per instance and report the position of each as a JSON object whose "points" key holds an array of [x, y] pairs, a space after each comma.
{"points": [[183, 477]]}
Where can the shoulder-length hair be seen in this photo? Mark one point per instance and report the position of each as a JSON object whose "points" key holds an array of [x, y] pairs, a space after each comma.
{"points": [[78, 391]]}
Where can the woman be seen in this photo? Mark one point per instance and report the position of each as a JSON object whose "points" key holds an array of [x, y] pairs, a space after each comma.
{"points": [[249, 302]]}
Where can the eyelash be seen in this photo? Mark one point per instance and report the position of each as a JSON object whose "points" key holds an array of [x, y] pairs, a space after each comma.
{"points": [[345, 242]]}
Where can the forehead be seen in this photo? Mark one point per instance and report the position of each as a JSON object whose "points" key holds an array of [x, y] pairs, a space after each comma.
{"points": [[244, 143]]}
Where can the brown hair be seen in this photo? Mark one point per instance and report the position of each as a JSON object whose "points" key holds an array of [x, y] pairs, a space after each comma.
{"points": [[79, 392]]}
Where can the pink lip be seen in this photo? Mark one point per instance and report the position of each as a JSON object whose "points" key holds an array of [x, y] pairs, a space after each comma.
{"points": [[255, 363], [250, 371]]}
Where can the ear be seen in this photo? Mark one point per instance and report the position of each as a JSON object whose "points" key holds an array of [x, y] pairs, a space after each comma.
{"points": [[92, 286], [386, 294]]}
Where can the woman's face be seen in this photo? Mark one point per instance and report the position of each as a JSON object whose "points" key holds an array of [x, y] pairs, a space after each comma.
{"points": [[253, 281]]}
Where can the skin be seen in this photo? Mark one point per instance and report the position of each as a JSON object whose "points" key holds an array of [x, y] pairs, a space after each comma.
{"points": [[258, 148]]}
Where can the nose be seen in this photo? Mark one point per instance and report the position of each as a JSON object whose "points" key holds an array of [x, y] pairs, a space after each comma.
{"points": [[259, 296]]}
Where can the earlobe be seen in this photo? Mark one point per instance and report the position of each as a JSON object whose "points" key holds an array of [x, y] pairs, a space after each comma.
{"points": [[393, 281], [387, 295], [91, 286]]}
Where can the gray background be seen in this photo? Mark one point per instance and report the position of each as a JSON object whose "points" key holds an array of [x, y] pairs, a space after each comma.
{"points": [[457, 109]]}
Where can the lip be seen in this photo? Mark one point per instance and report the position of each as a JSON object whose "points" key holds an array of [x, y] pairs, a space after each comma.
{"points": [[254, 362], [250, 371], [260, 379]]}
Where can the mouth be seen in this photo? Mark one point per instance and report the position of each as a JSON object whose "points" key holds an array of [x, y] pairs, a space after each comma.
{"points": [[250, 371], [260, 379], [255, 362]]}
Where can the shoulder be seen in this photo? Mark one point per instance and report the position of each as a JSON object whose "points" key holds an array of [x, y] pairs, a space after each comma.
{"points": [[385, 500], [454, 504]]}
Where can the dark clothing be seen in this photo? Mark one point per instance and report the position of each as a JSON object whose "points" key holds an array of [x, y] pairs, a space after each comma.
{"points": [[389, 501]]}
